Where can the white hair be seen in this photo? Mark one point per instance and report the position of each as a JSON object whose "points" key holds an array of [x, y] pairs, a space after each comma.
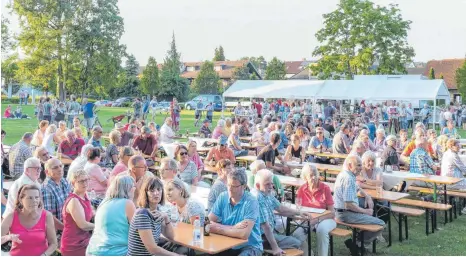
{"points": [[381, 131], [262, 175], [368, 155], [255, 165], [307, 170], [31, 162], [221, 123]]}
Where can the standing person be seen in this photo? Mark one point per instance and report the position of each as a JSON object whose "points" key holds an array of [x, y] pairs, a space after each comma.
{"points": [[209, 111], [21, 96], [29, 226], [403, 117], [153, 107], [258, 108], [60, 112], [409, 116], [40, 109], [73, 111], [198, 112], [137, 106], [88, 111], [47, 110], [393, 118], [175, 114], [77, 214], [425, 115], [329, 111], [145, 109]]}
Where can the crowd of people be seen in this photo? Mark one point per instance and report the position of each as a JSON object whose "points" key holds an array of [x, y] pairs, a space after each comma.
{"points": [[73, 192]]}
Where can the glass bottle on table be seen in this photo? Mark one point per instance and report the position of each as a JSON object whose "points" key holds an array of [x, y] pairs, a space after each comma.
{"points": [[206, 224]]}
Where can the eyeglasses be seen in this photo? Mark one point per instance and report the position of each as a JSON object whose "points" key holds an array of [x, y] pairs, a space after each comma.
{"points": [[183, 153], [83, 181], [319, 132], [141, 167], [57, 167], [37, 168], [233, 186]]}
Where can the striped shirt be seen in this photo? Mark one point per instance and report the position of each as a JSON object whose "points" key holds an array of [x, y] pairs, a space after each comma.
{"points": [[142, 220], [217, 188], [55, 195]]}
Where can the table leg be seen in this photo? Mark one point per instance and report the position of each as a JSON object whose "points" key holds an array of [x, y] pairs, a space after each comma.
{"points": [[325, 175], [389, 225], [400, 227], [309, 242], [361, 238], [435, 192], [288, 227], [292, 194]]}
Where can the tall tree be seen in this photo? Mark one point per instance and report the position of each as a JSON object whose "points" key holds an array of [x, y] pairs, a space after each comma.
{"points": [[460, 77], [150, 77], [276, 70], [207, 80], [441, 76], [431, 73], [9, 62], [219, 54], [171, 82], [7, 38], [242, 73], [361, 38], [259, 62]]}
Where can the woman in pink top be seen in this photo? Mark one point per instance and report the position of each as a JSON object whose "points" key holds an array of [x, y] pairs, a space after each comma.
{"points": [[122, 165], [30, 227], [316, 194], [98, 178], [8, 112], [194, 156], [77, 212], [219, 130]]}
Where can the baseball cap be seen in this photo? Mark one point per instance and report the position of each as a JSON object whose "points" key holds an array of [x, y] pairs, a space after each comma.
{"points": [[222, 140]]}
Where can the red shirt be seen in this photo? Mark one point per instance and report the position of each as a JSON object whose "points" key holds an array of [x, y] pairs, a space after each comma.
{"points": [[320, 198], [147, 145], [72, 150], [279, 101], [258, 107]]}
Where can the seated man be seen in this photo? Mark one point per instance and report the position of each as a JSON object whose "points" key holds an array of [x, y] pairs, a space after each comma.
{"points": [[137, 169], [341, 141], [96, 137], [166, 132], [320, 143], [146, 142], [18, 154], [55, 190], [419, 133], [420, 162], [205, 130], [358, 149], [263, 190], [42, 154], [126, 136], [235, 214], [71, 147], [221, 151], [260, 165], [346, 201], [244, 127]]}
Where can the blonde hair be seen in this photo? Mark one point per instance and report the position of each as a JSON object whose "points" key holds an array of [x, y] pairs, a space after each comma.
{"points": [[179, 184], [442, 142], [114, 135]]}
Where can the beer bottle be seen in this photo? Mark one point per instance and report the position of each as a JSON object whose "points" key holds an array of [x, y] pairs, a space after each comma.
{"points": [[206, 225]]}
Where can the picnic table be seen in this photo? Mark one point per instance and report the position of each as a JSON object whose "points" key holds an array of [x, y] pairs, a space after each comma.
{"points": [[212, 244], [204, 141], [391, 179], [247, 159], [210, 169], [328, 154], [246, 139]]}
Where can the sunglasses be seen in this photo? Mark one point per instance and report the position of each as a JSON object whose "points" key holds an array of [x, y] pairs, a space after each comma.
{"points": [[183, 153]]}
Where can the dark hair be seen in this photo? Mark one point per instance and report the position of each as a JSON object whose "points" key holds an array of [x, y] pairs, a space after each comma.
{"points": [[22, 193], [93, 153], [275, 138], [178, 149], [3, 132], [223, 163], [150, 183], [242, 120]]}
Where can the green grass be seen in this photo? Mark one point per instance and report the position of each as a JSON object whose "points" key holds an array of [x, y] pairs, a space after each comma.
{"points": [[449, 240]]}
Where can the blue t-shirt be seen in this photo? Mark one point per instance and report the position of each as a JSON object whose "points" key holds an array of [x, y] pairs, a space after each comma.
{"points": [[327, 143], [372, 129], [246, 209], [283, 142], [88, 110], [47, 109], [145, 108]]}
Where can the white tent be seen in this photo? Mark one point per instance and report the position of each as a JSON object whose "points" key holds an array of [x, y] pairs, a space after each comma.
{"points": [[288, 89]]}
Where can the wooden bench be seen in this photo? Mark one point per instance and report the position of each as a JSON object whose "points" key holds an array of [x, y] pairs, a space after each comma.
{"points": [[451, 195], [403, 213], [288, 252], [338, 232], [431, 208], [362, 228]]}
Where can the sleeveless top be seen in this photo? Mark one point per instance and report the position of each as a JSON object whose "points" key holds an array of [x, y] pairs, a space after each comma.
{"points": [[110, 236], [297, 153], [34, 239], [49, 144], [73, 238]]}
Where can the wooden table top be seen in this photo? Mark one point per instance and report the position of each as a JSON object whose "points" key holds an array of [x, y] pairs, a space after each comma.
{"points": [[208, 168], [65, 161], [202, 149], [248, 158], [437, 179], [212, 244], [249, 146], [290, 181], [327, 154], [245, 138], [386, 195]]}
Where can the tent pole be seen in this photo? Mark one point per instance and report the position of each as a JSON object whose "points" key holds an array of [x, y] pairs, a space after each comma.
{"points": [[435, 111]]}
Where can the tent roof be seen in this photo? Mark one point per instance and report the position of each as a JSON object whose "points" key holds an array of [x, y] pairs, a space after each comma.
{"points": [[291, 89], [371, 89]]}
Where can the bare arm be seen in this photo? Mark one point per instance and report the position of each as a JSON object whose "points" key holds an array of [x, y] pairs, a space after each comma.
{"points": [[268, 232], [51, 235], [149, 242], [130, 208], [6, 225], [241, 230], [288, 153], [355, 208], [77, 212]]}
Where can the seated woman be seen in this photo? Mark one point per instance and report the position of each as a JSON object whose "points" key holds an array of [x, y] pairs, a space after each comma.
{"points": [[303, 135], [219, 130], [98, 179], [79, 162], [452, 166], [149, 222], [259, 137], [18, 112], [51, 140], [194, 156], [112, 149], [224, 166], [235, 143], [30, 228], [38, 136], [122, 164], [269, 153], [390, 156], [187, 208], [371, 175], [440, 147], [379, 140], [188, 169], [316, 194], [77, 214], [450, 130], [294, 151], [110, 236], [7, 114]]}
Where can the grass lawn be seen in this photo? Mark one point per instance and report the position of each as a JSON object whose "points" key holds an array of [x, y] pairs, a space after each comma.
{"points": [[448, 240]]}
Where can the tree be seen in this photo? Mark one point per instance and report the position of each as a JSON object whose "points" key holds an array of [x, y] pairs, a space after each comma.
{"points": [[360, 38], [431, 73], [219, 54], [259, 63], [7, 40], [242, 73], [441, 76], [460, 77], [207, 81], [150, 77], [276, 70], [171, 82]]}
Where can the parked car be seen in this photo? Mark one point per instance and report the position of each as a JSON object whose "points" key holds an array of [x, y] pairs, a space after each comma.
{"points": [[120, 102], [103, 103], [163, 107], [206, 99]]}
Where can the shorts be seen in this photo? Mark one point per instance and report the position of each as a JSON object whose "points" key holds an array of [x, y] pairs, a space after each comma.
{"points": [[89, 122]]}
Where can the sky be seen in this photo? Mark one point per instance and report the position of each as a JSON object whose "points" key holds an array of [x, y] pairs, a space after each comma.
{"points": [[281, 28]]}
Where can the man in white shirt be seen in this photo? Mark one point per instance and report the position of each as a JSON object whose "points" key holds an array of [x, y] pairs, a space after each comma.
{"points": [[32, 169], [393, 112], [166, 132], [153, 107]]}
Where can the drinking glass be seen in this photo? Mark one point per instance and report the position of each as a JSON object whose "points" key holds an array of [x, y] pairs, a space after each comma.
{"points": [[299, 203]]}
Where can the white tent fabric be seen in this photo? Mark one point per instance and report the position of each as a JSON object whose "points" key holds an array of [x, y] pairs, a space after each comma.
{"points": [[288, 89], [377, 89]]}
